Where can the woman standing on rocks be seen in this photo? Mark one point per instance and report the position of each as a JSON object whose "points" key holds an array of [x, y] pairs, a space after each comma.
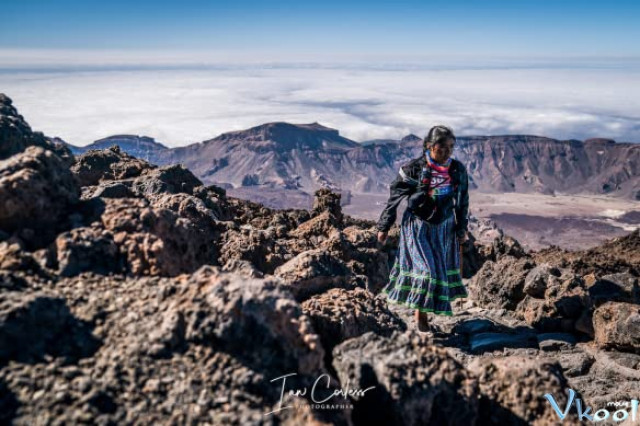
{"points": [[426, 272]]}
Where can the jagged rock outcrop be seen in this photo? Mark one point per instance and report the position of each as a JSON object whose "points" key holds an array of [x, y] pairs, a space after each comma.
{"points": [[555, 290], [226, 310], [617, 325], [87, 249], [133, 217], [16, 135], [620, 254], [112, 190], [158, 348], [168, 179], [325, 200], [406, 381], [501, 284], [512, 391], [37, 193], [311, 253], [158, 241], [338, 315], [96, 166], [314, 271]]}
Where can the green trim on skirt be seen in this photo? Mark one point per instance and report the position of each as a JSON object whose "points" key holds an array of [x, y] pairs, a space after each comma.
{"points": [[426, 271]]}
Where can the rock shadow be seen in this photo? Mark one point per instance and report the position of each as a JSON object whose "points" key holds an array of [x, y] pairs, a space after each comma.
{"points": [[9, 404], [34, 326]]}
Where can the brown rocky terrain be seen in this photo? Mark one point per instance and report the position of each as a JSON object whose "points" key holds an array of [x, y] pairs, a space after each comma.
{"points": [[133, 294]]}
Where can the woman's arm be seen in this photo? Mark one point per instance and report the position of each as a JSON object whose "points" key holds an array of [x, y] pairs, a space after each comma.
{"points": [[401, 187]]}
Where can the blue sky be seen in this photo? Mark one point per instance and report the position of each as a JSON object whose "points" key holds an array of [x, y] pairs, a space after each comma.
{"points": [[185, 72], [510, 28]]}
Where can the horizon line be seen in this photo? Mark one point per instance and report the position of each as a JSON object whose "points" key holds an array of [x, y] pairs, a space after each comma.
{"points": [[26, 58], [116, 135]]}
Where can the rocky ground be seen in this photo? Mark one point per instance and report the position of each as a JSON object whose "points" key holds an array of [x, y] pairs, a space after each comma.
{"points": [[133, 294]]}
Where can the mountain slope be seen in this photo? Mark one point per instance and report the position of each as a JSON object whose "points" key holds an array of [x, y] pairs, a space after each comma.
{"points": [[276, 154], [311, 156], [306, 157], [522, 163]]}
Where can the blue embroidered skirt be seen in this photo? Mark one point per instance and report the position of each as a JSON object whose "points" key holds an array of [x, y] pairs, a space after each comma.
{"points": [[426, 271]]}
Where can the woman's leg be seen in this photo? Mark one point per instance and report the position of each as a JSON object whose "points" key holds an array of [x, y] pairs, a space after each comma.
{"points": [[422, 320]]}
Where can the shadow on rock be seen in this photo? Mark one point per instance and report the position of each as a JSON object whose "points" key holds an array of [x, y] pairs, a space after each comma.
{"points": [[8, 404], [338, 315], [377, 405], [37, 325], [405, 379]]}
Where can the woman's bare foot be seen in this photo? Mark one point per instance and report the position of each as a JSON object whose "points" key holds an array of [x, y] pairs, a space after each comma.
{"points": [[422, 321]]}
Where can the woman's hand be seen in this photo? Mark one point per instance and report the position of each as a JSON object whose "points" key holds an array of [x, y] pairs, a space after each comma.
{"points": [[382, 236], [463, 238]]}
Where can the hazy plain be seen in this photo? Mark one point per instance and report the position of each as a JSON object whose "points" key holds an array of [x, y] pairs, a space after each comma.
{"points": [[536, 220]]}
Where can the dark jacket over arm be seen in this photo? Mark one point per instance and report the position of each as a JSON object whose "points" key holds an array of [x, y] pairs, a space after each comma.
{"points": [[462, 202], [401, 187]]}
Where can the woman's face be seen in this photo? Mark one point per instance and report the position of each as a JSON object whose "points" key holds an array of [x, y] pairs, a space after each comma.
{"points": [[442, 151]]}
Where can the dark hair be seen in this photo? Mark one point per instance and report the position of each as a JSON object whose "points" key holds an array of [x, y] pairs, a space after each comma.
{"points": [[438, 134]]}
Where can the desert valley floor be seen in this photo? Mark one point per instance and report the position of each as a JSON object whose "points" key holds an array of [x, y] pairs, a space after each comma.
{"points": [[536, 220]]}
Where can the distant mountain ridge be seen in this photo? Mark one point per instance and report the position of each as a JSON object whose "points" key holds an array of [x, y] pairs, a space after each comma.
{"points": [[284, 136], [309, 156], [411, 138], [143, 147]]}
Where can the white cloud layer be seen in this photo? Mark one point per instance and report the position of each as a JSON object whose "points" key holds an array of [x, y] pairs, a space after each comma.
{"points": [[182, 106]]}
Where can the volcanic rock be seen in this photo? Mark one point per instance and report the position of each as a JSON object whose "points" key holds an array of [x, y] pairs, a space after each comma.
{"points": [[16, 135], [37, 191], [513, 390], [339, 314], [87, 249], [409, 381], [501, 284], [168, 179], [97, 166], [617, 325], [313, 272], [113, 190], [158, 241]]}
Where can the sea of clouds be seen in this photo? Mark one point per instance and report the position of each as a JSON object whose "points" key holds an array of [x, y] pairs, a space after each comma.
{"points": [[186, 101]]}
